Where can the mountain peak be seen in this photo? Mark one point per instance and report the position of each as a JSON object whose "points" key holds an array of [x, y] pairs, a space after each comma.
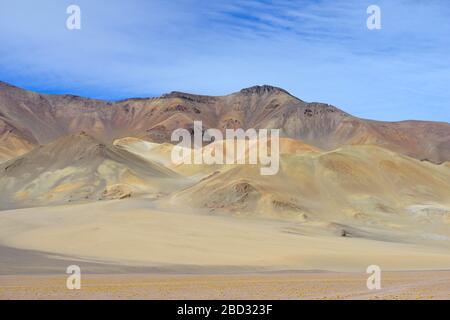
{"points": [[260, 90]]}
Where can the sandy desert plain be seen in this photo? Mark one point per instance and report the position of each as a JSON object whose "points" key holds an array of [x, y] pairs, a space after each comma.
{"points": [[142, 253], [90, 183]]}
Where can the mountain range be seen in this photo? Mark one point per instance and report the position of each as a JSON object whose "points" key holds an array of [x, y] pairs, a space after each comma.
{"points": [[29, 119], [94, 179]]}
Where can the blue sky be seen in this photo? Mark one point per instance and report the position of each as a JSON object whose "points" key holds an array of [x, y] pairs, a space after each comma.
{"points": [[317, 50]]}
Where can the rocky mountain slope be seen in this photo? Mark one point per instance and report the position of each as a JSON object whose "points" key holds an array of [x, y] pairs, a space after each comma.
{"points": [[80, 168], [28, 119]]}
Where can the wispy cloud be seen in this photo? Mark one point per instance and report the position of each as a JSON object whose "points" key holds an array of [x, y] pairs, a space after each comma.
{"points": [[319, 50]]}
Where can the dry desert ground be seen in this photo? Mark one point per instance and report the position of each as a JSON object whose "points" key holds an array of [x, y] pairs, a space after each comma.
{"points": [[140, 251]]}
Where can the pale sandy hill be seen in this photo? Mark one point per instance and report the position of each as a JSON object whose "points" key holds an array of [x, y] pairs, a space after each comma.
{"points": [[158, 152], [286, 146], [355, 186], [80, 168], [161, 153]]}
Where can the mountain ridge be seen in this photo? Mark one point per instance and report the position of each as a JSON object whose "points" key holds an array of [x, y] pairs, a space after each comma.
{"points": [[31, 119]]}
